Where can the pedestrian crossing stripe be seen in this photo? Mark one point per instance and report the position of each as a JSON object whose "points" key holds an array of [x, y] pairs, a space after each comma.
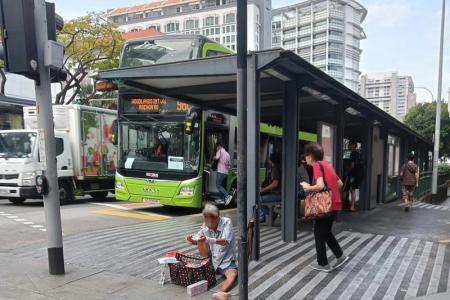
{"points": [[426, 205], [380, 266]]}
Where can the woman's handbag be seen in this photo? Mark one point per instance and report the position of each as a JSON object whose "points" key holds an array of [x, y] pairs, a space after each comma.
{"points": [[191, 269], [319, 204]]}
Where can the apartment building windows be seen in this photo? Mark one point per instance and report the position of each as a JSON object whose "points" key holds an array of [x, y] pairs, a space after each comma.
{"points": [[190, 24], [230, 18], [211, 21], [172, 27]]}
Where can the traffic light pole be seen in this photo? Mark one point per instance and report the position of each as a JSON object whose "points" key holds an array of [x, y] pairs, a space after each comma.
{"points": [[46, 139]]}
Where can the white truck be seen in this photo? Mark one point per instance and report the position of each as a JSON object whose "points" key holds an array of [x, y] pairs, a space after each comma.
{"points": [[86, 158]]}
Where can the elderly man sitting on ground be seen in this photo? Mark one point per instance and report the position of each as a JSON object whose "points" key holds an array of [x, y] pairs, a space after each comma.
{"points": [[216, 240]]}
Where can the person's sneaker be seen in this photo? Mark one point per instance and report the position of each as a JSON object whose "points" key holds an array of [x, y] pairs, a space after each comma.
{"points": [[228, 200], [340, 261], [318, 267], [219, 201]]}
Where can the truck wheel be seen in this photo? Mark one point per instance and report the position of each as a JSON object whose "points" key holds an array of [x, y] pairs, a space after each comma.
{"points": [[65, 193], [17, 200], [99, 195]]}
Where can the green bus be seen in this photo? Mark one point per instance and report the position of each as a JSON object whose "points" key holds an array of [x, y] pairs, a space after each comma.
{"points": [[165, 147]]}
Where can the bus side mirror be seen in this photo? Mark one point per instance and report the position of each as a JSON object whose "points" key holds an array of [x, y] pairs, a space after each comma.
{"points": [[192, 118], [114, 130]]}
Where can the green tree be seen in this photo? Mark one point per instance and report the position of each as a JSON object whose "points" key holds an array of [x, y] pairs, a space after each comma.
{"points": [[91, 44], [422, 118]]}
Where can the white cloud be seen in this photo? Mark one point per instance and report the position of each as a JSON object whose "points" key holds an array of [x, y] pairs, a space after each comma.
{"points": [[388, 13]]}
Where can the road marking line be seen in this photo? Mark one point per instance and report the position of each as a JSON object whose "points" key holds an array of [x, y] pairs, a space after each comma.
{"points": [[6, 214], [37, 226], [112, 212], [437, 269], [346, 270], [21, 220], [27, 223], [419, 271], [381, 273], [120, 207], [401, 271], [306, 289], [12, 217], [43, 229], [364, 272]]}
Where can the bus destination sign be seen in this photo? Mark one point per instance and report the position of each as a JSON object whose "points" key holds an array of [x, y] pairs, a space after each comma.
{"points": [[154, 105]]}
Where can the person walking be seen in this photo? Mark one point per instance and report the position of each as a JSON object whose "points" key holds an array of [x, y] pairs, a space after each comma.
{"points": [[409, 174], [323, 226], [353, 178], [223, 167]]}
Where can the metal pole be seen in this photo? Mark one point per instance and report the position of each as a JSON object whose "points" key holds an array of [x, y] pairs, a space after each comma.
{"points": [[46, 137], [242, 145], [437, 131]]}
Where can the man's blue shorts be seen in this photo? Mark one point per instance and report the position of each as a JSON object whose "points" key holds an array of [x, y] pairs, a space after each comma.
{"points": [[232, 265]]}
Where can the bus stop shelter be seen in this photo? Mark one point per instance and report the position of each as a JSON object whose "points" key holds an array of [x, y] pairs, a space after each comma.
{"points": [[284, 90]]}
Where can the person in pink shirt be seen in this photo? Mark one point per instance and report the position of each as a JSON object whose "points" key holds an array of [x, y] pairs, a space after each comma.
{"points": [[223, 167]]}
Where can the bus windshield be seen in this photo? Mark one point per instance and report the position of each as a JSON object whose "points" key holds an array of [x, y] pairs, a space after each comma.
{"points": [[159, 146], [158, 51]]}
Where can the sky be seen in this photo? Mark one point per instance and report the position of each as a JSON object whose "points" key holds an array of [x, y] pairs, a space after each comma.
{"points": [[402, 35]]}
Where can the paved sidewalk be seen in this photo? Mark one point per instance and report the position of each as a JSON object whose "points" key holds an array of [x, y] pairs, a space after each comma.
{"points": [[25, 278], [394, 255]]}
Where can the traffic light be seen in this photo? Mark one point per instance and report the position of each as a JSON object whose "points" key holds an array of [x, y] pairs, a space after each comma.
{"points": [[17, 36]]}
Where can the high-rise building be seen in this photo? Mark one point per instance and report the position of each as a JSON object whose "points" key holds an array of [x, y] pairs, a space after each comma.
{"points": [[215, 19], [326, 33], [389, 91]]}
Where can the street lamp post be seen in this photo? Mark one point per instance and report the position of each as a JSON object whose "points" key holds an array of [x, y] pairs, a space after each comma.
{"points": [[428, 90], [437, 131]]}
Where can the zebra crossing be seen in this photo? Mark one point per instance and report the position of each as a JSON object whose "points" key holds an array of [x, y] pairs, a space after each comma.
{"points": [[381, 266], [427, 206]]}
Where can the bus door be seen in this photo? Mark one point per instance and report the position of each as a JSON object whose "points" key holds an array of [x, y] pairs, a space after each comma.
{"points": [[214, 132]]}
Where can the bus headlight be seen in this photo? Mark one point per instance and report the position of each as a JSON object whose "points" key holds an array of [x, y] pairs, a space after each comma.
{"points": [[120, 185], [187, 191]]}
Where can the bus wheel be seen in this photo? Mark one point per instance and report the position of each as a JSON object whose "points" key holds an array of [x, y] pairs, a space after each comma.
{"points": [[17, 200], [65, 193]]}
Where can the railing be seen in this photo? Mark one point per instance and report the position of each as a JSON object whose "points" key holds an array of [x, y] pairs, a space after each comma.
{"points": [[424, 188]]}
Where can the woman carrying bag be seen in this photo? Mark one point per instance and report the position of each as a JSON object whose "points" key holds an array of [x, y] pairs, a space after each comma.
{"points": [[322, 203]]}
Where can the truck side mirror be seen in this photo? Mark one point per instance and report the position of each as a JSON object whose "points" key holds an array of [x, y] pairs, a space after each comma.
{"points": [[114, 130]]}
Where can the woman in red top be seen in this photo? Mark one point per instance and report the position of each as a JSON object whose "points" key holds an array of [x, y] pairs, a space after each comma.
{"points": [[322, 226]]}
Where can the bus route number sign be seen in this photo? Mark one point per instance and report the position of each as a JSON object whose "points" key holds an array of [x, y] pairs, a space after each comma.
{"points": [[156, 105]]}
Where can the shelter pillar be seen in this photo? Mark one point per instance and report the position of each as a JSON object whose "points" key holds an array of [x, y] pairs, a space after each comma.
{"points": [[367, 147], [253, 147], [290, 162], [340, 127]]}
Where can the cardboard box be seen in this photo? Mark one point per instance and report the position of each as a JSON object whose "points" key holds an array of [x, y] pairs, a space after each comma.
{"points": [[197, 288]]}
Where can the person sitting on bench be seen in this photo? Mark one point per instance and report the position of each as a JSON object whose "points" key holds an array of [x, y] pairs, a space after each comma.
{"points": [[272, 192], [216, 240]]}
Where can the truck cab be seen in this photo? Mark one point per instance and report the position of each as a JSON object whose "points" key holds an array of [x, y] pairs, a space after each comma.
{"points": [[19, 163]]}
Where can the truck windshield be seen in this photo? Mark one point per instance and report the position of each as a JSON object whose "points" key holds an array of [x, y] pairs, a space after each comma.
{"points": [[159, 146], [159, 51], [17, 144]]}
